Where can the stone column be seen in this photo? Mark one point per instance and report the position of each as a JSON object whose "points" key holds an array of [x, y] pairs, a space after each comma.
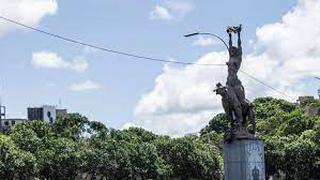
{"points": [[244, 160]]}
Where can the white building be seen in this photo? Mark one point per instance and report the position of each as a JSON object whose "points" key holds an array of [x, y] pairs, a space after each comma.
{"points": [[45, 113]]}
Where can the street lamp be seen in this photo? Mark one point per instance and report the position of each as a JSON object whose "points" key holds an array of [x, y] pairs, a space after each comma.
{"points": [[207, 34]]}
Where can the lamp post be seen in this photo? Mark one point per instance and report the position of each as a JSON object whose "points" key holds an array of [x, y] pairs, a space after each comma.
{"points": [[243, 150], [207, 34]]}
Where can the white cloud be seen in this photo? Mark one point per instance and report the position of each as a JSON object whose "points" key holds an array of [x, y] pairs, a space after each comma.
{"points": [[128, 125], [179, 6], [287, 53], [202, 41], [29, 12], [171, 9], [183, 90], [182, 99], [84, 86], [50, 60], [160, 13]]}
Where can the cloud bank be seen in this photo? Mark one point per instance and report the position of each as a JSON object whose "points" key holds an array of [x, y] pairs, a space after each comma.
{"points": [[28, 12], [286, 54]]}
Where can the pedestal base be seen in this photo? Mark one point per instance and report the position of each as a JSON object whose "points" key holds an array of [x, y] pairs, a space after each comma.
{"points": [[244, 160]]}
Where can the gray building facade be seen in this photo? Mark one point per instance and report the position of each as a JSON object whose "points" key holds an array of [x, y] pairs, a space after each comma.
{"points": [[45, 113], [7, 124]]}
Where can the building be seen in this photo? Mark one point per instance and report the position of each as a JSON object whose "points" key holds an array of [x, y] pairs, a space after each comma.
{"points": [[310, 109], [61, 112], [45, 113], [2, 112], [303, 99], [7, 124]]}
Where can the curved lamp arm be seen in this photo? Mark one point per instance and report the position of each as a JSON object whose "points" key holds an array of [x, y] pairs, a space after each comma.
{"points": [[209, 34]]}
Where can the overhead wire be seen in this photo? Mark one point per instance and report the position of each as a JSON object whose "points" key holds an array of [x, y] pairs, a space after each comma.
{"points": [[265, 84], [64, 38], [136, 56]]}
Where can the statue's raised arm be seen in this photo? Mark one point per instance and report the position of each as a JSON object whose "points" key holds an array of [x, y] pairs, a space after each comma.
{"points": [[239, 36]]}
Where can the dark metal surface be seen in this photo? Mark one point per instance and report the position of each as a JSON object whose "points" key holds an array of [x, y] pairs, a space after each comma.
{"points": [[238, 109]]}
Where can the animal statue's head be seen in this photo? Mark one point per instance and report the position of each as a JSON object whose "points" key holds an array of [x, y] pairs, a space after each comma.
{"points": [[221, 90]]}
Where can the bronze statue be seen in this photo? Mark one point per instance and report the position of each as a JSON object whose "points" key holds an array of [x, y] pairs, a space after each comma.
{"points": [[231, 106], [234, 64], [249, 116], [237, 108], [238, 115], [235, 53]]}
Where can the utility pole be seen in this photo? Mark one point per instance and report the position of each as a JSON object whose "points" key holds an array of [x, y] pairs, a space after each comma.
{"points": [[319, 88], [2, 109]]}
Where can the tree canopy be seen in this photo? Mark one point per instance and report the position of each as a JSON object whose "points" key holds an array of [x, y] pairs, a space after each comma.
{"points": [[76, 148], [291, 137]]}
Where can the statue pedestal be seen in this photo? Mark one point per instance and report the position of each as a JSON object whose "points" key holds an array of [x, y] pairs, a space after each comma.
{"points": [[244, 159]]}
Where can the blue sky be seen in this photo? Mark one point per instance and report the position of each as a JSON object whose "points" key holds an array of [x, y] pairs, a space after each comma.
{"points": [[113, 85]]}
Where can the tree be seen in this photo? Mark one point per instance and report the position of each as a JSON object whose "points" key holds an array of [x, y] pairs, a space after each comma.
{"points": [[74, 147], [191, 159], [106, 157], [59, 158], [15, 163], [26, 138], [302, 160], [218, 124], [291, 138], [71, 126]]}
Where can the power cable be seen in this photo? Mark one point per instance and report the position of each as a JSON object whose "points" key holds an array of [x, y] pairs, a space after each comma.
{"points": [[103, 48], [265, 84], [130, 54]]}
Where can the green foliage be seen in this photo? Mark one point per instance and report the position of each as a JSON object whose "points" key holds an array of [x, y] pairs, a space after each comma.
{"points": [[59, 159], [190, 158], [218, 124], [268, 107], [75, 148], [71, 126], [26, 138], [311, 102], [296, 123], [292, 138], [15, 162], [302, 160], [97, 128]]}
